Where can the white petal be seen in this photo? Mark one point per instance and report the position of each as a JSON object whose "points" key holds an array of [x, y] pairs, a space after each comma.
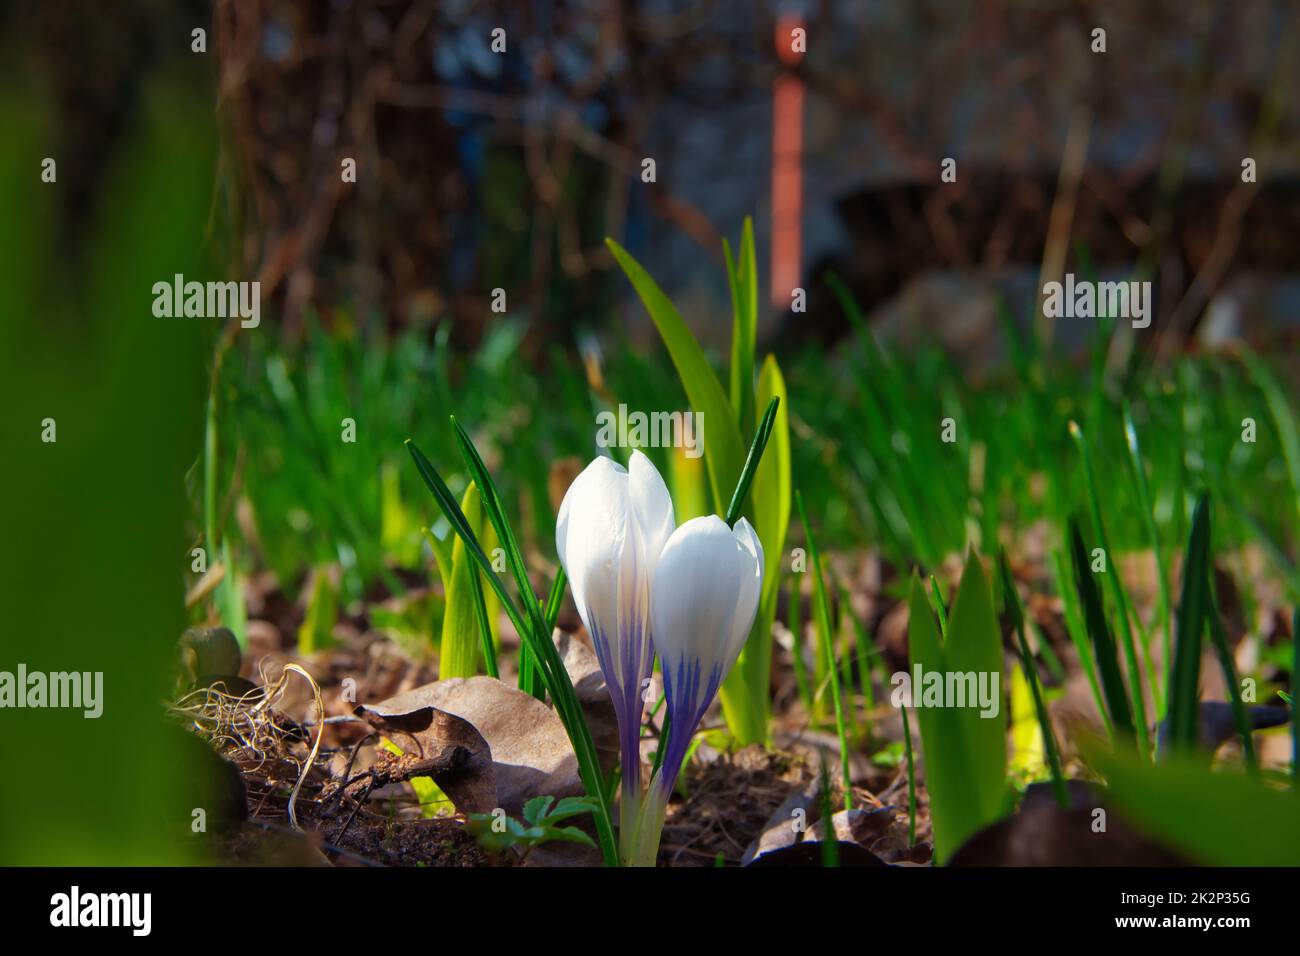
{"points": [[705, 593], [591, 538], [652, 506], [590, 477], [751, 588]]}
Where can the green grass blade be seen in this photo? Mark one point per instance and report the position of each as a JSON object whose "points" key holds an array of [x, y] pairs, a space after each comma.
{"points": [[1012, 601], [460, 526], [1219, 638], [745, 692], [796, 642], [465, 629], [210, 470], [742, 277], [752, 461], [1193, 606], [1103, 642], [532, 629], [965, 764], [514, 556], [911, 779], [1288, 432], [822, 607], [830, 845], [555, 598], [317, 629], [940, 608], [772, 498], [530, 681], [441, 556], [1162, 572], [865, 650], [974, 645], [1074, 626], [555, 675], [484, 624], [1116, 587]]}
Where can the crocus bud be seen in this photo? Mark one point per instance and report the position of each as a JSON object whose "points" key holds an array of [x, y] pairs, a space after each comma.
{"points": [[703, 600], [612, 526]]}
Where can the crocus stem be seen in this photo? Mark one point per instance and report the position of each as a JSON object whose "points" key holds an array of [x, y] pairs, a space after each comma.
{"points": [[629, 813], [629, 821], [650, 825]]}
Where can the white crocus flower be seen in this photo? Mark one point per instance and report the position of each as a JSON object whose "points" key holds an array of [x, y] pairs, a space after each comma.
{"points": [[612, 526], [703, 600]]}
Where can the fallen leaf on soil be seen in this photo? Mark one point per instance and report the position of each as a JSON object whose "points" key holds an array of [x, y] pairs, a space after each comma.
{"points": [[526, 749], [783, 827], [857, 825], [440, 745]]}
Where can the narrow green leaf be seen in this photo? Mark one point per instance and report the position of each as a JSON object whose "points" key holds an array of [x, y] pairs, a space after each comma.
{"points": [[796, 640], [229, 598], [317, 629], [965, 753], [1182, 802], [1012, 601], [830, 845], [742, 276], [532, 629], [974, 646], [1116, 586], [823, 609], [1078, 633], [940, 608], [529, 679], [460, 526], [1164, 607], [688, 480], [772, 482], [865, 650], [514, 556], [752, 461], [911, 778], [1219, 638], [723, 445], [465, 631], [441, 557], [956, 800], [484, 624], [1295, 695], [772, 497], [1103, 643], [1193, 605], [210, 472], [744, 694], [1288, 432]]}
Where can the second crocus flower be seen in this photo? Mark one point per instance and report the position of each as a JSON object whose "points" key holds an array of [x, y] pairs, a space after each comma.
{"points": [[703, 599]]}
